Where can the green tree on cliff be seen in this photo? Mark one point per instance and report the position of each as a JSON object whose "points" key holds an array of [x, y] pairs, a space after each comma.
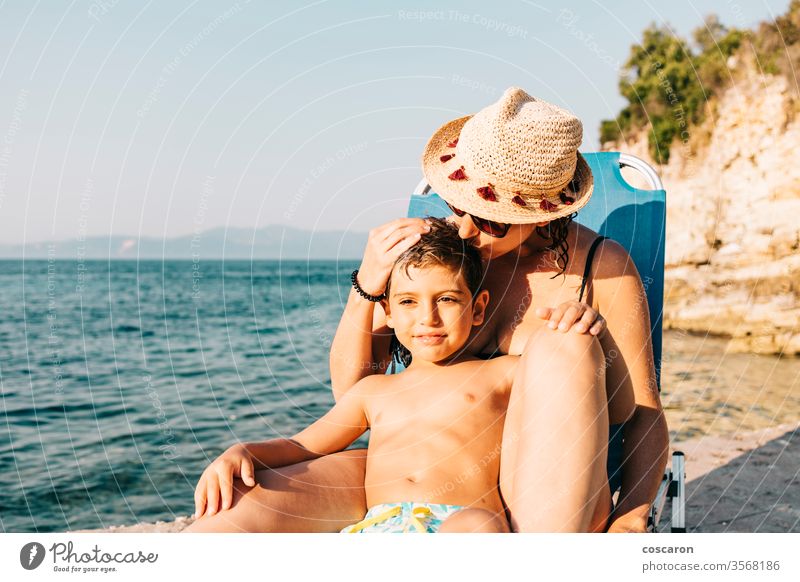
{"points": [[667, 83]]}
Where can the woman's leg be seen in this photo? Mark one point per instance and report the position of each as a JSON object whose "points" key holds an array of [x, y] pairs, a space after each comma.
{"points": [[323, 495], [473, 520], [555, 439]]}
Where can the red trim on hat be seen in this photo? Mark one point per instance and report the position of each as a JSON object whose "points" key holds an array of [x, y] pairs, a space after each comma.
{"points": [[453, 143], [447, 157], [518, 200], [458, 174], [547, 205], [487, 193]]}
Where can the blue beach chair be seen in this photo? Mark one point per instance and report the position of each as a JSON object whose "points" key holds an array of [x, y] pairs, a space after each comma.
{"points": [[635, 219]]}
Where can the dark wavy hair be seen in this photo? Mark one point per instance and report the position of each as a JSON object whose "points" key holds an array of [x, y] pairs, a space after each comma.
{"points": [[441, 247], [556, 232]]}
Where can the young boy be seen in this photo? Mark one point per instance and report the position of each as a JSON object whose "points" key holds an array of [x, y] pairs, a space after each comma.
{"points": [[434, 451]]}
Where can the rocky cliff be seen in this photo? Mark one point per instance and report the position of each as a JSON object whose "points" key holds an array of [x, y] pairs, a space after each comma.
{"points": [[733, 218]]}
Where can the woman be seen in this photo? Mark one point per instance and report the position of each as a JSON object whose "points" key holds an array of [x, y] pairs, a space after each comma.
{"points": [[513, 178]]}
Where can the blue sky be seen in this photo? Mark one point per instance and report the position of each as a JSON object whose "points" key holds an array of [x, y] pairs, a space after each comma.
{"points": [[164, 118]]}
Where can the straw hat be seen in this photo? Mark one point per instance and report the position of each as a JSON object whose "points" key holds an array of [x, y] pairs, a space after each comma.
{"points": [[516, 161]]}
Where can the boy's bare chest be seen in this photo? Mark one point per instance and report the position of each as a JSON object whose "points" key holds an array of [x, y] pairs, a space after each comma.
{"points": [[447, 407]]}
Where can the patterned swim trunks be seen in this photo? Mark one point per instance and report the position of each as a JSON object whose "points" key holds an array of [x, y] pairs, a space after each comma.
{"points": [[404, 517]]}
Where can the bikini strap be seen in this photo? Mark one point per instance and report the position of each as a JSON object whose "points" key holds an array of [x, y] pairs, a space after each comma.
{"points": [[588, 268]]}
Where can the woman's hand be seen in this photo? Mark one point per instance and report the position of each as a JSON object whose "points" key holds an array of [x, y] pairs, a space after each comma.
{"points": [[573, 314], [628, 524], [384, 245], [217, 480]]}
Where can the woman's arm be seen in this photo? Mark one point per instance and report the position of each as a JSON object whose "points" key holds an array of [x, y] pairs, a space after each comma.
{"points": [[361, 344], [630, 377]]}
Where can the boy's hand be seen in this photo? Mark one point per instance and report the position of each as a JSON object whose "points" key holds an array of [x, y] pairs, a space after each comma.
{"points": [[573, 314], [217, 480]]}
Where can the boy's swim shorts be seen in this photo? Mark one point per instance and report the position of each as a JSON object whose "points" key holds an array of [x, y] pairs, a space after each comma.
{"points": [[404, 517]]}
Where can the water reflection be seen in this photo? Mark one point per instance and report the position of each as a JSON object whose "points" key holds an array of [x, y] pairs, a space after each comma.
{"points": [[706, 390]]}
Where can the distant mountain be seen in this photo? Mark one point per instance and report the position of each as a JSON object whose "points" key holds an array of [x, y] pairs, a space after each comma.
{"points": [[269, 242]]}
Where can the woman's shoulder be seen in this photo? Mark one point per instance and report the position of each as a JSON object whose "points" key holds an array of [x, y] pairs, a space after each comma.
{"points": [[581, 239], [584, 237], [610, 259], [583, 233], [615, 279], [613, 261]]}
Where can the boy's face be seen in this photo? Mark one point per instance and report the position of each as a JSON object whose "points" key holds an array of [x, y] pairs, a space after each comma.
{"points": [[432, 311]]}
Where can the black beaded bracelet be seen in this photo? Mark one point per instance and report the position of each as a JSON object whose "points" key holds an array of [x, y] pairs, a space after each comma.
{"points": [[360, 291]]}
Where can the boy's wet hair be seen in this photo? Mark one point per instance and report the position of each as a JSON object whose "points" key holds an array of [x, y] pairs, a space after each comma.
{"points": [[441, 247]]}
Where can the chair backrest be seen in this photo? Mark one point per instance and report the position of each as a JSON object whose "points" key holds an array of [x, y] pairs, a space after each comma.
{"points": [[634, 218]]}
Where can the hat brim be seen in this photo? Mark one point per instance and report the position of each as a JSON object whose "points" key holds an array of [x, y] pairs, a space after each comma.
{"points": [[463, 194]]}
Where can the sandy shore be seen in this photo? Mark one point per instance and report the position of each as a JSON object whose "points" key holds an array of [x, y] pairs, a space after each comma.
{"points": [[749, 482]]}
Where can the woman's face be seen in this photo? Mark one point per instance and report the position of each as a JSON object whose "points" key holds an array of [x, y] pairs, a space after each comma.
{"points": [[489, 246]]}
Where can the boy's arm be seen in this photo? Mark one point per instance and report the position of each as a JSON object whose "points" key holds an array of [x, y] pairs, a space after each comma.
{"points": [[342, 425], [331, 433]]}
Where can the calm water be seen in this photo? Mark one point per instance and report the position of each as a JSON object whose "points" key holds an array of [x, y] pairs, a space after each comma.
{"points": [[121, 381]]}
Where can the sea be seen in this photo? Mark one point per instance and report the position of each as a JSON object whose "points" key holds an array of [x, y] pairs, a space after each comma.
{"points": [[121, 380]]}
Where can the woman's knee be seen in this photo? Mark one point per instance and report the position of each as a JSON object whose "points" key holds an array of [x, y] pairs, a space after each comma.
{"points": [[548, 344], [473, 520], [563, 355], [253, 509]]}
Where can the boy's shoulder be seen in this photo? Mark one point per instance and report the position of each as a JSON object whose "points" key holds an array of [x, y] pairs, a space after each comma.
{"points": [[505, 365], [373, 383], [500, 361], [499, 368]]}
